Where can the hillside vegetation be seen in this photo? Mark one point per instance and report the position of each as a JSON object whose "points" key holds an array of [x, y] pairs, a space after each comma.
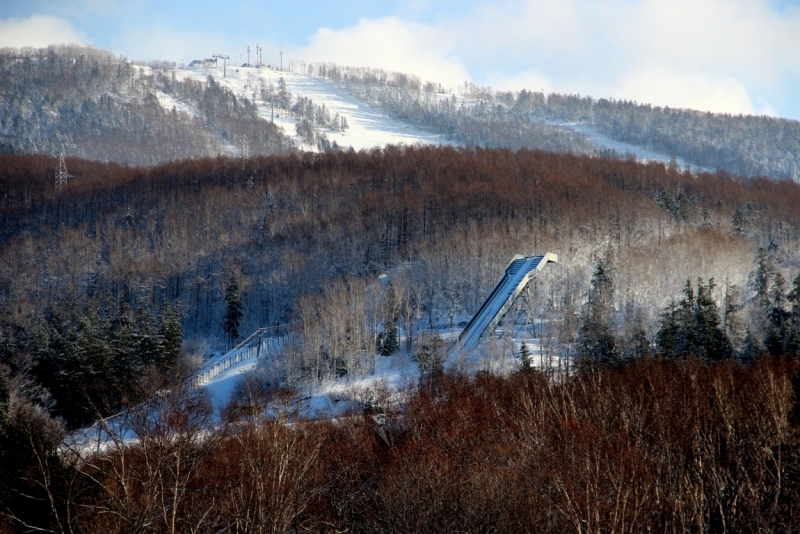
{"points": [[93, 105], [305, 238], [662, 446], [742, 145], [90, 104]]}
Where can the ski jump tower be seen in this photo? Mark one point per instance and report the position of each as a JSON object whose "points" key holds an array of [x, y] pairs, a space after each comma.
{"points": [[518, 274]]}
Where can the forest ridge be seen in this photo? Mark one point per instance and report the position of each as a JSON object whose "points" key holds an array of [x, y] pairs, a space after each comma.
{"points": [[91, 104]]}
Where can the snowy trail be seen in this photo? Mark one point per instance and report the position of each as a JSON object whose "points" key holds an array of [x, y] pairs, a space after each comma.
{"points": [[602, 141], [368, 128]]}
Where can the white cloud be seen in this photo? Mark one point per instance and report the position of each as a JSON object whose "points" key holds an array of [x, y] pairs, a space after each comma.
{"points": [[720, 55], [680, 88], [38, 31], [737, 56], [392, 44]]}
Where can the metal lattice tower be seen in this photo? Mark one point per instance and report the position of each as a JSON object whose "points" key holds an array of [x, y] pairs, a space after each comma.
{"points": [[520, 318], [62, 176]]}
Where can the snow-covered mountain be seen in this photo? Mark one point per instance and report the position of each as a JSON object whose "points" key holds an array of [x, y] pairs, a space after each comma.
{"points": [[90, 104], [368, 126]]}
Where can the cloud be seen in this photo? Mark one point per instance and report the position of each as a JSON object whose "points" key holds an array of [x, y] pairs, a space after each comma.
{"points": [[393, 44], [38, 31], [695, 89], [736, 56], [721, 55]]}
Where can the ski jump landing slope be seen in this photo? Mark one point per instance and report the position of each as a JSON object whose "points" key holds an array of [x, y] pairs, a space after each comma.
{"points": [[520, 271]]}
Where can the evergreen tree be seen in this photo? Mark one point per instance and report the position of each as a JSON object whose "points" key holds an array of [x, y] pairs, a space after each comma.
{"points": [[525, 360], [597, 344], [639, 344], [778, 326], [126, 366], [759, 279], [430, 359], [94, 357], [752, 349], [792, 339], [669, 332], [146, 340], [793, 298], [387, 340], [710, 340], [171, 334], [737, 222], [693, 327], [731, 324], [233, 310]]}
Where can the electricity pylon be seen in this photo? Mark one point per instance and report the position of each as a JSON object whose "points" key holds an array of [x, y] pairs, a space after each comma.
{"points": [[62, 176]]}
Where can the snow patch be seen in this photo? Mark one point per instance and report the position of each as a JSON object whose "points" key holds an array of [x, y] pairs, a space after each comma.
{"points": [[168, 102]]}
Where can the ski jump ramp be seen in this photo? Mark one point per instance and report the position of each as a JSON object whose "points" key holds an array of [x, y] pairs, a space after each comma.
{"points": [[518, 273]]}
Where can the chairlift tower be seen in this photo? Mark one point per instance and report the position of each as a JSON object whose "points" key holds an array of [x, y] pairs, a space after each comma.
{"points": [[248, 55], [224, 59], [62, 176]]}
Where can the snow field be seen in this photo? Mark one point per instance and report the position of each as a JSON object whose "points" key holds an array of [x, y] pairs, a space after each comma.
{"points": [[367, 127], [497, 355]]}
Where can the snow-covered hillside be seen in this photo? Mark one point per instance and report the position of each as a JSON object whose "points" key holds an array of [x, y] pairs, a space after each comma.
{"points": [[496, 354], [367, 126]]}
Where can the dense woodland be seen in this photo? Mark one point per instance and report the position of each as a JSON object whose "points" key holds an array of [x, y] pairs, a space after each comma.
{"points": [[90, 104], [673, 314], [742, 145]]}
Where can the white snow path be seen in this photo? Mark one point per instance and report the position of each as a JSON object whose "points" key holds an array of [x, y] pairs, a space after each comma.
{"points": [[367, 127], [602, 141]]}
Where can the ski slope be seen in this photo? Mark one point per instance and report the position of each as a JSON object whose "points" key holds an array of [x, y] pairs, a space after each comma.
{"points": [[367, 126], [602, 141], [394, 373]]}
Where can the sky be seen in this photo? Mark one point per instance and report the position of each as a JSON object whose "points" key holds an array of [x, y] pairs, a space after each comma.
{"points": [[732, 56]]}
